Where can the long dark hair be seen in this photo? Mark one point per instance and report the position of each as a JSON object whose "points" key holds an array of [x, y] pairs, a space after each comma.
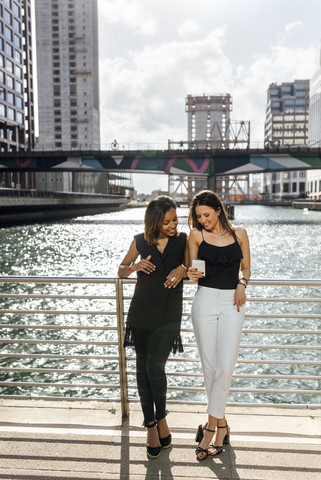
{"points": [[212, 200], [155, 212]]}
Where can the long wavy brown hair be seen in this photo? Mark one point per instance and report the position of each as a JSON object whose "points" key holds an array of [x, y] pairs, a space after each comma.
{"points": [[155, 212], [210, 199]]}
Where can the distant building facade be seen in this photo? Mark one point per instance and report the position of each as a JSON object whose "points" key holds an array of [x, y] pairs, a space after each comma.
{"points": [[16, 77], [207, 118], [68, 76], [286, 124], [314, 176]]}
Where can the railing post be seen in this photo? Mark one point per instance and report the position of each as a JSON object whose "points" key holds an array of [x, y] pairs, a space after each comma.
{"points": [[121, 349]]}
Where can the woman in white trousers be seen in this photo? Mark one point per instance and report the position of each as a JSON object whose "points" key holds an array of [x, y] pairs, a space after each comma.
{"points": [[218, 308]]}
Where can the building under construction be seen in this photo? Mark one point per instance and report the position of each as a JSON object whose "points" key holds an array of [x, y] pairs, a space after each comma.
{"points": [[209, 123]]}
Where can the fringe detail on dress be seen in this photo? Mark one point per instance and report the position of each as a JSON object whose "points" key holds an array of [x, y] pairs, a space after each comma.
{"points": [[128, 340], [177, 345]]}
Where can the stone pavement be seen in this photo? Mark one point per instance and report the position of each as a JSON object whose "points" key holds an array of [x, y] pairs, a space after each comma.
{"points": [[50, 440]]}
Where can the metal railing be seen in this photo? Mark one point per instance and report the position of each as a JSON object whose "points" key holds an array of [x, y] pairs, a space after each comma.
{"points": [[35, 333]]}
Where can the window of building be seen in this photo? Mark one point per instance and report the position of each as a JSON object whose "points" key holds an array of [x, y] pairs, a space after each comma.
{"points": [[19, 102], [7, 3], [9, 65], [1, 60], [300, 86], [8, 33], [300, 101], [7, 17], [294, 187], [16, 9], [289, 102], [18, 71], [276, 104], [17, 41], [19, 117], [1, 76], [10, 98], [300, 93], [18, 87], [18, 56], [302, 187], [16, 25], [11, 113], [274, 92], [2, 110], [286, 90], [286, 187], [9, 50]]}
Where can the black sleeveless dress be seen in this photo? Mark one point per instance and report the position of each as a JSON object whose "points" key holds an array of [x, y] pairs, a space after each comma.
{"points": [[153, 306]]}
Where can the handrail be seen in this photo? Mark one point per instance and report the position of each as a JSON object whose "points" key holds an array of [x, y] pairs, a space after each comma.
{"points": [[118, 364]]}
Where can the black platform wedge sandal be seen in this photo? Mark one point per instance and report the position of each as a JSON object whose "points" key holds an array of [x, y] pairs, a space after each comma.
{"points": [[153, 452]]}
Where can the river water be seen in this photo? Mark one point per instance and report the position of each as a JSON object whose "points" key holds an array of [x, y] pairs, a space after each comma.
{"points": [[285, 244]]}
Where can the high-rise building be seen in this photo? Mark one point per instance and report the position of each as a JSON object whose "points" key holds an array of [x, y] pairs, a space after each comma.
{"points": [[286, 125], [207, 119], [314, 176], [16, 76], [68, 77]]}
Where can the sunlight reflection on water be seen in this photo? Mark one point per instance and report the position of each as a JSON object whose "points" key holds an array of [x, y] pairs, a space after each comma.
{"points": [[285, 244]]}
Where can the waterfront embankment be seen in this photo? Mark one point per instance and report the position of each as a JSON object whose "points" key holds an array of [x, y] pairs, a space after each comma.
{"points": [[316, 206], [90, 440]]}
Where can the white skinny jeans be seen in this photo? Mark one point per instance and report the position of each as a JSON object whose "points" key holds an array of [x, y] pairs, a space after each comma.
{"points": [[217, 326]]}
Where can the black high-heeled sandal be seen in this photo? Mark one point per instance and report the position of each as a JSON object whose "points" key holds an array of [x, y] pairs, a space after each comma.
{"points": [[153, 452], [200, 433], [226, 441]]}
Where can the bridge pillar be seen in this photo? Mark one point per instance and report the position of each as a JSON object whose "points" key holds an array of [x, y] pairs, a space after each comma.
{"points": [[183, 187]]}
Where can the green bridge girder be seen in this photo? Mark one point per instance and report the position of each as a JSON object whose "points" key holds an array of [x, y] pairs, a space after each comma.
{"points": [[188, 162]]}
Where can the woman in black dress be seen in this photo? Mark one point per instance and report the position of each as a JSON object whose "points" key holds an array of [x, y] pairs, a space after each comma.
{"points": [[154, 317]]}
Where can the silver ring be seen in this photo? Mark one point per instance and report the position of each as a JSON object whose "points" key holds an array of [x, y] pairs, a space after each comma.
{"points": [[173, 279]]}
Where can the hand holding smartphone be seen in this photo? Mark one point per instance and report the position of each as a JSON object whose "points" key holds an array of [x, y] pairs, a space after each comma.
{"points": [[199, 265]]}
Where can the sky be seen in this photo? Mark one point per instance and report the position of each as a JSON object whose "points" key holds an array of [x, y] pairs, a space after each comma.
{"points": [[154, 53]]}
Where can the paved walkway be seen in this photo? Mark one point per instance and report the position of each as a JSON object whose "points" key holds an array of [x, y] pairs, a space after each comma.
{"points": [[74, 440]]}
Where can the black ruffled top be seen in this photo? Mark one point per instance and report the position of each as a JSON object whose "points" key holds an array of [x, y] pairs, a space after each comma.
{"points": [[222, 265]]}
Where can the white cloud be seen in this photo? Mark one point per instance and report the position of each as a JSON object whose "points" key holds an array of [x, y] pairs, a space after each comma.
{"points": [[291, 26], [129, 13], [187, 27], [143, 94]]}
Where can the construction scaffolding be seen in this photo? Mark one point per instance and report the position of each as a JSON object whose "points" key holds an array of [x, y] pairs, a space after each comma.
{"points": [[210, 126]]}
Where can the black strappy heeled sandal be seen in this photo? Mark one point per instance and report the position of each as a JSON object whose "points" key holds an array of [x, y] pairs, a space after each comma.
{"points": [[200, 434], [153, 452], [226, 441]]}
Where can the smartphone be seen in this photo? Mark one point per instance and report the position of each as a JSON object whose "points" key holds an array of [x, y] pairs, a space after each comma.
{"points": [[199, 265]]}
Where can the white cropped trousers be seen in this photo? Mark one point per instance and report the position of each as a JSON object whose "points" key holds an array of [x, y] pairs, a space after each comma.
{"points": [[217, 326]]}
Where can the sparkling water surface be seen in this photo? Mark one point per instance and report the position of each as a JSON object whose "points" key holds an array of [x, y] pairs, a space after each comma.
{"points": [[285, 244]]}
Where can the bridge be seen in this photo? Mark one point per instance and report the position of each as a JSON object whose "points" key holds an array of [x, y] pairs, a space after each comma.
{"points": [[188, 162], [188, 170]]}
